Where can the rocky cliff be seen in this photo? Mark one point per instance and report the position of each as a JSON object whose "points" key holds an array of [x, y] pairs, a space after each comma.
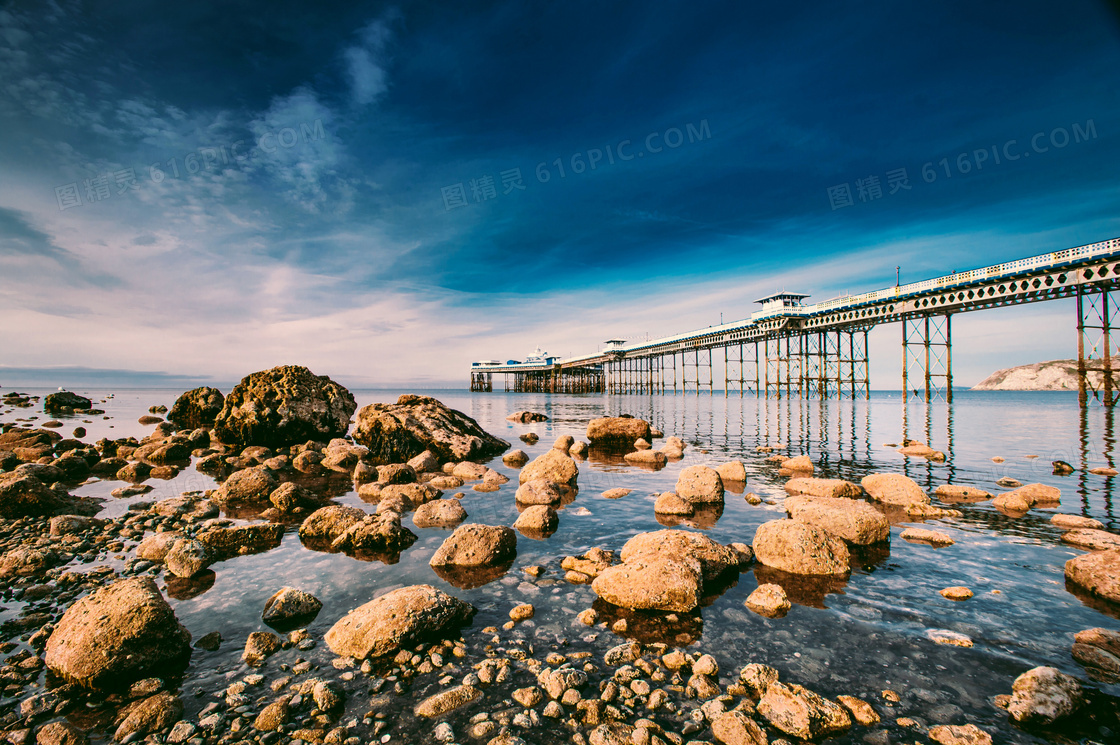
{"points": [[1055, 375]]}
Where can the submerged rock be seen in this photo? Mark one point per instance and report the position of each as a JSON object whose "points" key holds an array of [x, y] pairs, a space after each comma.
{"points": [[401, 618], [526, 417], [118, 634], [284, 406], [396, 432]]}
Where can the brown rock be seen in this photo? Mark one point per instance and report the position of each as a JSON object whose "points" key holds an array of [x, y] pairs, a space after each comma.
{"points": [[536, 520], [957, 593], [1075, 521], [328, 523], [652, 581], [552, 466], [616, 493], [119, 633], [515, 458], [288, 605], [1095, 657], [539, 492], [441, 513], [23, 495], [798, 548], [930, 537], [397, 432], [799, 712], [260, 646], [714, 559], [816, 487], [800, 464], [860, 710], [240, 540], [1026, 497], [670, 504], [614, 429], [851, 520], [769, 600], [284, 406], [245, 487], [733, 471], [151, 715], [1091, 538], [445, 701], [400, 618], [1098, 572], [274, 716], [736, 728], [1106, 639], [965, 734], [156, 546], [197, 408], [895, 489], [60, 733], [647, 458], [700, 485], [956, 493], [476, 545], [527, 417], [1044, 695]]}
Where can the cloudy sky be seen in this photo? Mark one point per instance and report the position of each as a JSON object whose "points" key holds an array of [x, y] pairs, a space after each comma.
{"points": [[385, 192]]}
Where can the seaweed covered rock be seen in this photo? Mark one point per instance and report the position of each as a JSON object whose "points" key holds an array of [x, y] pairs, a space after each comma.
{"points": [[197, 408], [284, 406], [394, 433]]}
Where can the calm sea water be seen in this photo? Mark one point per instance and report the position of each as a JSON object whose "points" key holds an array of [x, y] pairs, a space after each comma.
{"points": [[858, 636]]}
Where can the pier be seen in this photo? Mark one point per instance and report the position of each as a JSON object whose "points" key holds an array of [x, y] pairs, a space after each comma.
{"points": [[793, 349]]}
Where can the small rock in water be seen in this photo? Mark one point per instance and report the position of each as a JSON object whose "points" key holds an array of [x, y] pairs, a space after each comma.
{"points": [[923, 535], [951, 638], [957, 593], [952, 734], [1009, 482], [769, 600]]}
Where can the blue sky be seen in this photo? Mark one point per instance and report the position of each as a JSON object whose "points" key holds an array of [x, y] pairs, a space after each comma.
{"points": [[205, 190]]}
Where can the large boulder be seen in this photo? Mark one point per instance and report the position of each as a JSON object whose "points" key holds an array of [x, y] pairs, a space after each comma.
{"points": [[375, 534], [700, 485], [394, 433], [802, 713], [798, 548], [1025, 497], [652, 582], [851, 520], [225, 542], [401, 618], [818, 487], [475, 545], [1098, 572], [1043, 695], [23, 495], [894, 489], [248, 486], [714, 559], [617, 430], [118, 634], [197, 408], [555, 466], [326, 524], [64, 401], [284, 406]]}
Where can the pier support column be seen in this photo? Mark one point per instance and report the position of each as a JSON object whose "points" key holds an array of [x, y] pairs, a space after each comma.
{"points": [[927, 358], [1096, 309]]}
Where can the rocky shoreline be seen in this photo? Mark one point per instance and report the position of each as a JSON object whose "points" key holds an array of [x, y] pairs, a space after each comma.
{"points": [[96, 652]]}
